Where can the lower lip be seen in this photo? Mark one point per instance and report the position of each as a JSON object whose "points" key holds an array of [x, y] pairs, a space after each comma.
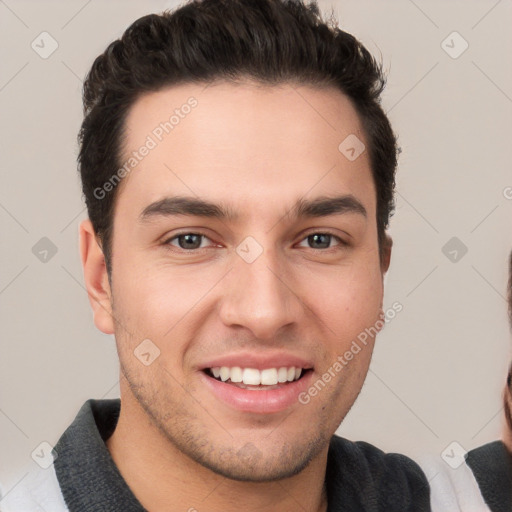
{"points": [[258, 401]]}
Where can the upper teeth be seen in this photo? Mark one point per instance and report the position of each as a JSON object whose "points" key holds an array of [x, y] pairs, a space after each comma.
{"points": [[254, 377]]}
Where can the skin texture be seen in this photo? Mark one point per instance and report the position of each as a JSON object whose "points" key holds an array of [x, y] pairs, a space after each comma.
{"points": [[256, 150]]}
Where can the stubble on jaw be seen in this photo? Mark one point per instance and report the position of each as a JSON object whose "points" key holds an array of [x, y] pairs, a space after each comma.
{"points": [[187, 434]]}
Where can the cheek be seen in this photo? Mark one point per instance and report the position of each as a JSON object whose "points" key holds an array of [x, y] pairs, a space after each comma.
{"points": [[348, 300], [158, 300]]}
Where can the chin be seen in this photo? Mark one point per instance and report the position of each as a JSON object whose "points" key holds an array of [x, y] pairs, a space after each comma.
{"points": [[249, 464]]}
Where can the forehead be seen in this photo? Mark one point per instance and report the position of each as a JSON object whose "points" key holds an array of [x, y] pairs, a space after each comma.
{"points": [[245, 144]]}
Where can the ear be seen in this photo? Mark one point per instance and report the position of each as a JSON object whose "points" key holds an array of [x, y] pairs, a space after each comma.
{"points": [[507, 406], [387, 245], [96, 278]]}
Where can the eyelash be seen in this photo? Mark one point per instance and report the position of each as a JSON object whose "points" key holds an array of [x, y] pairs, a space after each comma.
{"points": [[341, 243]]}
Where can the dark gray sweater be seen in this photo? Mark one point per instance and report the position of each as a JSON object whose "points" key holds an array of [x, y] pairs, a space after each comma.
{"points": [[359, 477]]}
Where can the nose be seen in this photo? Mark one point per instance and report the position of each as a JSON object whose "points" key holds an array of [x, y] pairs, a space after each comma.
{"points": [[260, 296]]}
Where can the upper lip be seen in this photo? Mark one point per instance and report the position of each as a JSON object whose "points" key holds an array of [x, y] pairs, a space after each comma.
{"points": [[257, 361]]}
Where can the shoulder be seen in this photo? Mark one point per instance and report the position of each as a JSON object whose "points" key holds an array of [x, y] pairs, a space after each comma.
{"points": [[375, 463], [478, 481], [376, 480], [37, 490], [491, 465]]}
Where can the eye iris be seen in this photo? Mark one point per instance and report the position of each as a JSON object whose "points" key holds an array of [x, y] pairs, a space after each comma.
{"points": [[320, 238], [189, 241]]}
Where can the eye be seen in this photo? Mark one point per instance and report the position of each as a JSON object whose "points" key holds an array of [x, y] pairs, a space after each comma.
{"points": [[322, 240], [193, 241], [187, 241]]}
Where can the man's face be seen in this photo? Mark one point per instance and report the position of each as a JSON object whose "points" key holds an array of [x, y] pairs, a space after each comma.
{"points": [[254, 291]]}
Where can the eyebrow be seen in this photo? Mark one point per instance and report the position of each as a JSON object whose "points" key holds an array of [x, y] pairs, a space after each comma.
{"points": [[192, 206]]}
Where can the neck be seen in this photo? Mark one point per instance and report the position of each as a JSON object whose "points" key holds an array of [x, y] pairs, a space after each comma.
{"points": [[163, 478]]}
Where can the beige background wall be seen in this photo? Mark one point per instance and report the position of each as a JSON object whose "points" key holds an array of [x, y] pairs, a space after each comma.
{"points": [[439, 366]]}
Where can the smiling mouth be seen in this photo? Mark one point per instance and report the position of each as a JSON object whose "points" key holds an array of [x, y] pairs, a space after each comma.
{"points": [[254, 379]]}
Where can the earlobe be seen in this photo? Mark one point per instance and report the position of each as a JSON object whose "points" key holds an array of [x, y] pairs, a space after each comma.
{"points": [[96, 278]]}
